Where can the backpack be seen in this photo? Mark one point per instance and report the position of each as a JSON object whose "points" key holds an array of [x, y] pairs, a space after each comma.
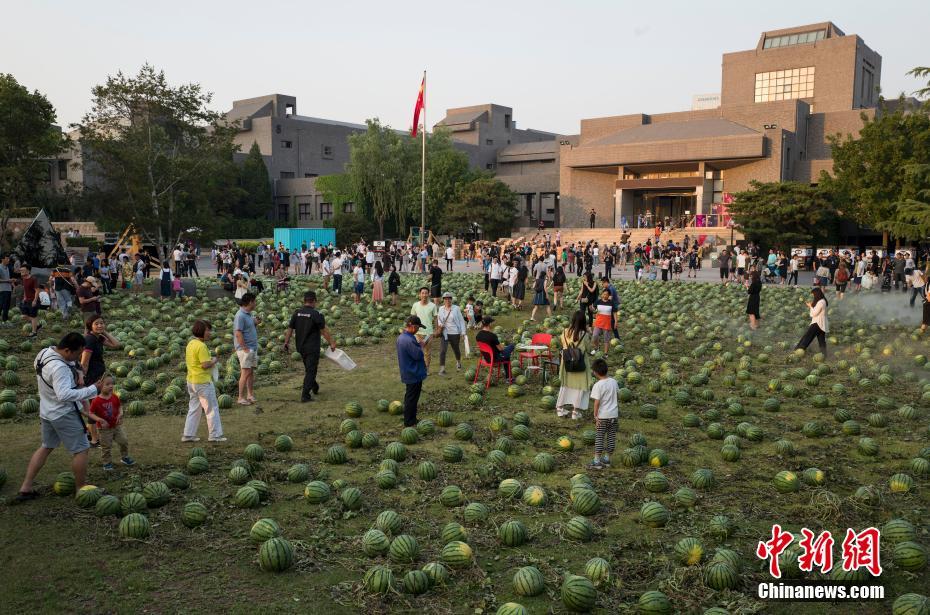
{"points": [[573, 357], [842, 276]]}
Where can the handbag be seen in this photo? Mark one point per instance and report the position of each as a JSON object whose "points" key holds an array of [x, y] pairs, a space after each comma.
{"points": [[573, 357]]}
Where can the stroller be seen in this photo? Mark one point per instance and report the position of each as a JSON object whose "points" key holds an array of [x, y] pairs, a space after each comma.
{"points": [[886, 280], [770, 274]]}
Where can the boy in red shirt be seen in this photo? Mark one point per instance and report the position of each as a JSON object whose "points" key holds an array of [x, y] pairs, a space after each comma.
{"points": [[105, 411]]}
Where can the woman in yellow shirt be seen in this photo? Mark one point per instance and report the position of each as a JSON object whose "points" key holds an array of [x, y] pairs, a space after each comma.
{"points": [[200, 386]]}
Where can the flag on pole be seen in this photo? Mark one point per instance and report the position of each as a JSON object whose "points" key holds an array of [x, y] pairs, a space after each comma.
{"points": [[420, 106]]}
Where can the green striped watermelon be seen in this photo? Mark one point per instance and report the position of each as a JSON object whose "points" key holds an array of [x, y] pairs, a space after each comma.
{"points": [[528, 581], [578, 594], [275, 555], [654, 602], [264, 529], [512, 533], [194, 514], [134, 526]]}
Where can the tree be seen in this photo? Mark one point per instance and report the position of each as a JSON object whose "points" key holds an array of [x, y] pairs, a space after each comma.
{"points": [[869, 172], [338, 190], [784, 214], [486, 201], [156, 146], [921, 72], [28, 138], [911, 219], [447, 169], [256, 199], [376, 169]]}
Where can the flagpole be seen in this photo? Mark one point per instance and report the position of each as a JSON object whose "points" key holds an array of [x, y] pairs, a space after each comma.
{"points": [[423, 171]]}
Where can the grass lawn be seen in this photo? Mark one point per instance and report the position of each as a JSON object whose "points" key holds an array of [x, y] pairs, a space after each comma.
{"points": [[65, 558]]}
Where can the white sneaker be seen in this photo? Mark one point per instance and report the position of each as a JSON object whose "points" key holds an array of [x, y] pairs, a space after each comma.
{"points": [[458, 365], [561, 413], [576, 416], [442, 371], [190, 439], [218, 439]]}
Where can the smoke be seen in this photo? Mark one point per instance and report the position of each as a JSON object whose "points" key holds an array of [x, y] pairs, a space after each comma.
{"points": [[875, 307]]}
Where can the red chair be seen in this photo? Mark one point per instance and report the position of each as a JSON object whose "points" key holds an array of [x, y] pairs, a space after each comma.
{"points": [[534, 356], [486, 359]]}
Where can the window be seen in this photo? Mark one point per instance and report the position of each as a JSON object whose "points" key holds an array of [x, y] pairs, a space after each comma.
{"points": [[277, 129], [287, 175], [867, 86], [282, 211], [326, 211], [787, 40], [287, 144], [507, 121], [489, 166], [311, 174], [529, 205], [289, 109], [328, 151], [348, 208], [305, 211], [62, 170], [489, 141], [787, 162], [785, 84]]}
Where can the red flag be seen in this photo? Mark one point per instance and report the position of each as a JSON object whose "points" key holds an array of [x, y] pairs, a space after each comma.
{"points": [[421, 104]]}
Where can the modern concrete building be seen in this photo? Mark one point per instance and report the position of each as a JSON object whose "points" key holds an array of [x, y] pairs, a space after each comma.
{"points": [[527, 160], [778, 103], [296, 149]]}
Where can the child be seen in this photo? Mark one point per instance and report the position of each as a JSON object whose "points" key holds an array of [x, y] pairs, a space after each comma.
{"points": [[105, 411], [603, 321], [470, 312], [176, 288], [479, 313], [606, 414], [45, 301]]}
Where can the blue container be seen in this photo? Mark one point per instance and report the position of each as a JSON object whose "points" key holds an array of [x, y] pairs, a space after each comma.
{"points": [[295, 238]]}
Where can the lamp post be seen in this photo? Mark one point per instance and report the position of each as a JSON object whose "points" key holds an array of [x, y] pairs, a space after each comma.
{"points": [[730, 224]]}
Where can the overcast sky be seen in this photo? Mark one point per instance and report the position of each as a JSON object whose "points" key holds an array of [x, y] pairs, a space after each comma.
{"points": [[553, 62]]}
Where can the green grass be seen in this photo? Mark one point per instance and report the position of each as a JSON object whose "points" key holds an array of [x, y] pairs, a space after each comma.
{"points": [[66, 559]]}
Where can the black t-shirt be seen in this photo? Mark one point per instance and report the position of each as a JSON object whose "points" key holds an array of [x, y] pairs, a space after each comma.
{"points": [[96, 367], [435, 276], [307, 323], [491, 339]]}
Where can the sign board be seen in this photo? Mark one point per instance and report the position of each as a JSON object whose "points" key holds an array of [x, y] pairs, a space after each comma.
{"points": [[378, 244]]}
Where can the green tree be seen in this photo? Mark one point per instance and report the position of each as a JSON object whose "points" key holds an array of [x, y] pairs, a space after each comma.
{"points": [[156, 146], [446, 170], [870, 171], [486, 201], [256, 198], [338, 190], [377, 168], [784, 214], [28, 138], [921, 72]]}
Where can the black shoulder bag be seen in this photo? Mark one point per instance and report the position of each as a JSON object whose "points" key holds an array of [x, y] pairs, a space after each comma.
{"points": [[573, 357]]}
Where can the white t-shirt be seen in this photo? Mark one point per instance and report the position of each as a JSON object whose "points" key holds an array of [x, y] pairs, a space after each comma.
{"points": [[450, 253], [337, 266], [606, 391], [327, 268], [741, 260], [359, 274]]}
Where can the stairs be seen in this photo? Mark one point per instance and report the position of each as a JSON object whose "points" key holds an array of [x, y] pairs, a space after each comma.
{"points": [[636, 236]]}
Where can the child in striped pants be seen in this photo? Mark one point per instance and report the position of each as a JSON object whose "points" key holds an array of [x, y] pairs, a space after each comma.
{"points": [[606, 414]]}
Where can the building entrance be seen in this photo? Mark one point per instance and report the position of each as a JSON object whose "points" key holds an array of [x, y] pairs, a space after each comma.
{"points": [[669, 209]]}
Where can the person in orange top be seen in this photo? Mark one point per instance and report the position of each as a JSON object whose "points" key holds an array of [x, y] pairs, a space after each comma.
{"points": [[603, 323], [105, 411]]}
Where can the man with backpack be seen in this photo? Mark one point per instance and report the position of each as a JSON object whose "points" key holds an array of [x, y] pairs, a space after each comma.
{"points": [[60, 398]]}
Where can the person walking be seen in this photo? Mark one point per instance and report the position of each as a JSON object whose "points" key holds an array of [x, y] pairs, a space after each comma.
{"points": [[165, 280], [91, 361], [450, 257], [30, 304], [60, 397], [918, 281], [394, 284], [426, 311], [6, 289], [377, 283], [819, 326], [451, 328], [574, 368], [412, 367], [587, 296], [752, 305], [336, 266], [200, 386], [245, 334], [310, 325], [435, 282], [592, 217]]}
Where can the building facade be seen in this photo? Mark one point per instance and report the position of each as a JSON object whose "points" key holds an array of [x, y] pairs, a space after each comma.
{"points": [[778, 103]]}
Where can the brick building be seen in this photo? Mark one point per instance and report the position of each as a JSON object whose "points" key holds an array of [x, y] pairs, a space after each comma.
{"points": [[777, 105]]}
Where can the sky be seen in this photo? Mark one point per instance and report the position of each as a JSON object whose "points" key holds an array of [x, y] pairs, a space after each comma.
{"points": [[553, 62]]}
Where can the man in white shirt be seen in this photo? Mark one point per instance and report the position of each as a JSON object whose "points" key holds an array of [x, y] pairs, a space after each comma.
{"points": [[369, 260], [178, 257], [327, 269], [337, 273], [59, 411], [450, 256], [741, 265]]}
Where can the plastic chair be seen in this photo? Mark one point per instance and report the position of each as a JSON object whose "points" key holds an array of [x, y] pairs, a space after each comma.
{"points": [[486, 359], [533, 356]]}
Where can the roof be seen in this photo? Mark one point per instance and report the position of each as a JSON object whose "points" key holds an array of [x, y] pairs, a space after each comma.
{"points": [[319, 120], [247, 109], [465, 117], [676, 131]]}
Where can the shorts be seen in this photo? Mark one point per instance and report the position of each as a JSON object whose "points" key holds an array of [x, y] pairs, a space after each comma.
{"points": [[558, 288], [841, 287], [29, 310], [435, 291], [598, 332], [359, 288], [740, 271], [724, 272], [248, 359], [67, 431]]}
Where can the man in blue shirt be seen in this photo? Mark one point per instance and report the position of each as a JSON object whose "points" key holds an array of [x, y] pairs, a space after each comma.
{"points": [[245, 334], [412, 367]]}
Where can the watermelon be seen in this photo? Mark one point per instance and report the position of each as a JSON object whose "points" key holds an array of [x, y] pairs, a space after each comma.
{"points": [[653, 514], [535, 496], [475, 513], [899, 530], [464, 432], [901, 483], [379, 580], [336, 455], [426, 427], [528, 581], [415, 582], [579, 528], [389, 522], [909, 556], [786, 482], [911, 604], [396, 451], [351, 498], [264, 529], [444, 418], [261, 487], [347, 425], [156, 494], [107, 505], [544, 463], [298, 473], [198, 465], [64, 484], [586, 502], [451, 496], [437, 574], [247, 497], [353, 409], [177, 480], [194, 514], [720, 527], [133, 503], [254, 453], [87, 496], [375, 542], [409, 435], [578, 594], [426, 471], [867, 447], [370, 440], [654, 602], [512, 533], [452, 453], [520, 432], [404, 549], [238, 475], [457, 554], [134, 526], [658, 458], [689, 551], [386, 479], [283, 443], [720, 575], [453, 531], [275, 555], [702, 479], [512, 608]]}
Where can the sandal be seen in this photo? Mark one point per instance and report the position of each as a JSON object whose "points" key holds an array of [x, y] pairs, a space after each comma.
{"points": [[244, 402], [25, 496]]}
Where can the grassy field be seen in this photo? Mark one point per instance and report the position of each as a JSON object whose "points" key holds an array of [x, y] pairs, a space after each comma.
{"points": [[64, 558]]}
